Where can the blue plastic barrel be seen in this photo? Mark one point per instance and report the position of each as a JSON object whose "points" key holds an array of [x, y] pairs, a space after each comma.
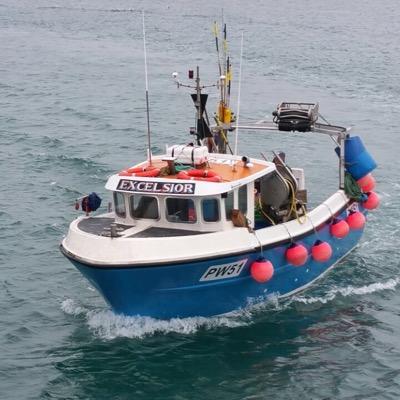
{"points": [[358, 161]]}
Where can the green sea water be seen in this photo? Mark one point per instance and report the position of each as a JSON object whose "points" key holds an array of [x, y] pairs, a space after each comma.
{"points": [[72, 112]]}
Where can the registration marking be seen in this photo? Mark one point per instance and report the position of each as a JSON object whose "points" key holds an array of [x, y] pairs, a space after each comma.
{"points": [[223, 271]]}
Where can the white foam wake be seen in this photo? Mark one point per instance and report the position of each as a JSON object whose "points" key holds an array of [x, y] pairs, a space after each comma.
{"points": [[70, 308], [107, 325], [349, 291]]}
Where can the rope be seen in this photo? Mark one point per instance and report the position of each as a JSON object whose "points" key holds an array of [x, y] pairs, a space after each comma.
{"points": [[292, 209], [221, 131], [325, 120], [287, 230], [259, 242], [313, 226], [293, 204], [264, 213], [330, 211]]}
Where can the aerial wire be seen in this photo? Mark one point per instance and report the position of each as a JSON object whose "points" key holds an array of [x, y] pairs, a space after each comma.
{"points": [[238, 99], [147, 93]]}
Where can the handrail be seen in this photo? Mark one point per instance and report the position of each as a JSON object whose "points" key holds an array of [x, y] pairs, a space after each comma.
{"points": [[338, 133], [331, 130]]}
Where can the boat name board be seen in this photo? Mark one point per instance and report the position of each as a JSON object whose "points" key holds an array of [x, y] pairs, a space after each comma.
{"points": [[224, 271], [156, 187]]}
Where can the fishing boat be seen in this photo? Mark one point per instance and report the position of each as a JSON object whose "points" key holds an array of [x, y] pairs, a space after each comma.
{"points": [[202, 230]]}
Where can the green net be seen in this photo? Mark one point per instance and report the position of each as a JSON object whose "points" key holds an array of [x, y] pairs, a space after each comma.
{"points": [[351, 188], [180, 168]]}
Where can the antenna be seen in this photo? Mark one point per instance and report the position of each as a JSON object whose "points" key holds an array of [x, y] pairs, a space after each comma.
{"points": [[225, 45], [215, 29], [238, 100], [147, 92]]}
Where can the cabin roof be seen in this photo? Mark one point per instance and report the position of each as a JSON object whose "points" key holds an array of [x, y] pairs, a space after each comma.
{"points": [[221, 164]]}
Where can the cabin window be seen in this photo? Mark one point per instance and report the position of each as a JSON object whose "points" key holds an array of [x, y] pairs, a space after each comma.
{"points": [[181, 210], [243, 199], [119, 202], [143, 207], [229, 205], [210, 209]]}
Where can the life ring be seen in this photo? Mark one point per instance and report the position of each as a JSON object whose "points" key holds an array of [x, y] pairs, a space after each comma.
{"points": [[201, 173], [151, 172], [135, 170], [185, 175]]}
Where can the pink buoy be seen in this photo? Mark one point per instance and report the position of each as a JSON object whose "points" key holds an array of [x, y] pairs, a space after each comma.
{"points": [[262, 270], [296, 254], [356, 220], [367, 183], [321, 251], [372, 201], [339, 228]]}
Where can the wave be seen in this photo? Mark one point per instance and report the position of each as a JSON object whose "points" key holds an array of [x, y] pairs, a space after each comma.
{"points": [[88, 9], [51, 141], [80, 163], [107, 325], [70, 308], [66, 189], [332, 294]]}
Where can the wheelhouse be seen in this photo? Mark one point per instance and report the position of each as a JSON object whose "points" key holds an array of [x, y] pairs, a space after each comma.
{"points": [[204, 213], [187, 204], [197, 206]]}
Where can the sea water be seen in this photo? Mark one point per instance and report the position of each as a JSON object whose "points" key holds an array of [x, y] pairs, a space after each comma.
{"points": [[72, 112]]}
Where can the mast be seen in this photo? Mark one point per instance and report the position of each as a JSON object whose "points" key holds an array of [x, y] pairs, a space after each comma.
{"points": [[147, 94], [198, 100], [224, 113], [217, 47], [238, 100], [225, 46]]}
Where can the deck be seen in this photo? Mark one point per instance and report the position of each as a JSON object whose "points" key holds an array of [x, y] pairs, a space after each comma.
{"points": [[224, 170], [101, 226]]}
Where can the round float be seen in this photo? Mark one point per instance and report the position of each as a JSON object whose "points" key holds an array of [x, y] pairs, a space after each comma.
{"points": [[367, 183], [296, 254], [356, 220], [321, 251], [339, 228], [372, 201], [262, 270]]}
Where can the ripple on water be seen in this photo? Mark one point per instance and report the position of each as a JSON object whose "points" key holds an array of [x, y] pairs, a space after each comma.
{"points": [[73, 112]]}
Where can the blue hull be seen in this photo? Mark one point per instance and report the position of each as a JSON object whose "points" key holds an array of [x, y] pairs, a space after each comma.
{"points": [[175, 290]]}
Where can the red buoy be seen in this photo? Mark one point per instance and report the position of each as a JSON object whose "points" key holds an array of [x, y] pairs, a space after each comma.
{"points": [[339, 228], [367, 183], [261, 270], [321, 251], [296, 254], [356, 220], [372, 202]]}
